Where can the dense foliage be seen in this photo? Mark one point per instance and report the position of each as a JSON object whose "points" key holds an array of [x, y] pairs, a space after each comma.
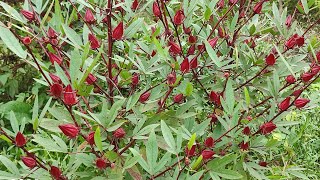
{"points": [[158, 89]]}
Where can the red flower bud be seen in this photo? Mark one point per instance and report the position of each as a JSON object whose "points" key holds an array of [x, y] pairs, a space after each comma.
{"points": [[244, 146], [214, 118], [231, 2], [284, 105], [315, 70], [101, 163], [192, 39], [91, 79], [213, 42], [28, 15], [267, 127], [55, 78], [94, 43], [185, 66], [246, 131], [89, 17], [187, 30], [135, 79], [178, 18], [69, 96], [118, 31], [191, 151], [207, 154], [178, 98], [191, 49], [301, 102], [55, 172], [52, 34], [258, 7], [174, 48], [119, 133], [297, 92], [270, 60], [221, 32], [144, 97], [56, 90], [20, 140], [134, 5], [194, 63], [156, 9], [263, 163], [300, 41], [289, 21], [291, 42], [54, 58], [29, 162], [171, 78], [318, 56], [290, 79], [215, 97], [226, 75], [220, 4], [307, 76], [209, 142], [90, 138], [153, 53], [69, 130], [26, 40]]}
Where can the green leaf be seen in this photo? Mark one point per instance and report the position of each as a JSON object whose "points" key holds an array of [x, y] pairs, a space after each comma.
{"points": [[97, 139], [73, 36], [152, 152], [12, 12], [75, 64], [133, 28], [305, 6], [61, 74], [197, 163], [168, 137], [189, 89], [247, 96], [11, 41], [230, 95], [14, 122], [192, 140], [130, 161], [35, 109], [9, 165], [49, 144], [196, 176], [207, 13], [114, 111], [284, 60], [226, 173], [217, 163], [212, 54]]}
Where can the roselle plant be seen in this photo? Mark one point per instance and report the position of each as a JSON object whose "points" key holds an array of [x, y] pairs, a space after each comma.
{"points": [[158, 89]]}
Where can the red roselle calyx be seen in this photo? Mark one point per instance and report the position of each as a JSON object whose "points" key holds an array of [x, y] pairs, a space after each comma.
{"points": [[207, 154], [69, 96], [29, 162], [185, 66], [178, 98], [134, 5], [156, 9], [263, 163], [194, 63], [267, 128], [101, 163], [69, 130], [213, 42], [28, 15], [244, 146], [119, 133], [91, 79], [187, 30], [301, 102], [55, 172], [209, 142], [294, 40], [26, 40], [290, 79], [288, 21], [215, 97], [191, 151], [191, 49], [174, 48], [220, 4], [135, 79], [270, 60], [90, 138], [56, 90], [94, 43], [118, 32], [178, 18], [297, 92], [52, 33], [284, 105], [246, 131], [258, 7], [171, 78], [54, 58], [221, 32], [307, 76], [144, 97], [192, 39], [89, 17], [55, 78], [20, 140]]}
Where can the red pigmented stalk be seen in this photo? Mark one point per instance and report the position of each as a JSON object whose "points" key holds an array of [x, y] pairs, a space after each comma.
{"points": [[110, 44]]}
